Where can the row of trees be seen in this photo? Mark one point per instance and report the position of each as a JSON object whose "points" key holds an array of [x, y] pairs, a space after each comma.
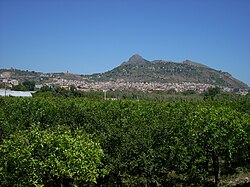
{"points": [[156, 95], [70, 142]]}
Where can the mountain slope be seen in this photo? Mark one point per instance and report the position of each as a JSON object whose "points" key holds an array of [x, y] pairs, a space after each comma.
{"points": [[137, 69]]}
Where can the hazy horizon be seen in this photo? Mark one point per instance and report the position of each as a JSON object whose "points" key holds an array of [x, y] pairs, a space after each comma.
{"points": [[86, 37]]}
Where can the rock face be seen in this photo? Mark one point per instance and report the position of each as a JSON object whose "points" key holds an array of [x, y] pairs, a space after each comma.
{"points": [[135, 60], [138, 69]]}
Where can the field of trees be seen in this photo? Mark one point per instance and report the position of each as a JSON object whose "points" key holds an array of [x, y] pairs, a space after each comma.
{"points": [[57, 141]]}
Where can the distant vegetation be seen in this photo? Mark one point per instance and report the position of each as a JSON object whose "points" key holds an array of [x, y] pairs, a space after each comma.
{"points": [[25, 86], [70, 141], [156, 95]]}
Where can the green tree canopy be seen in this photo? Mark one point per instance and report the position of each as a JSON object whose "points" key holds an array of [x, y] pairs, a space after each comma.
{"points": [[212, 92], [49, 158], [29, 85]]}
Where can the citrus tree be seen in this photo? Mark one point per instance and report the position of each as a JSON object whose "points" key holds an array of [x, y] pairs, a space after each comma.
{"points": [[210, 141], [50, 158]]}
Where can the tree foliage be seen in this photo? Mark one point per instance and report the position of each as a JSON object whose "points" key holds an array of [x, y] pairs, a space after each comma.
{"points": [[25, 86], [144, 143], [37, 157], [212, 92]]}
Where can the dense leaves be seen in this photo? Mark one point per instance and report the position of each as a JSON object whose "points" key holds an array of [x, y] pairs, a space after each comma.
{"points": [[144, 143], [37, 158]]}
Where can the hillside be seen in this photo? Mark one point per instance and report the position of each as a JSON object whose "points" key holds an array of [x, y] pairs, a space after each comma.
{"points": [[138, 69], [38, 77]]}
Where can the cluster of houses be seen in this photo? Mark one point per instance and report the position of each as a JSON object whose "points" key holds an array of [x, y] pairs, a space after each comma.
{"points": [[143, 86], [121, 85], [10, 82]]}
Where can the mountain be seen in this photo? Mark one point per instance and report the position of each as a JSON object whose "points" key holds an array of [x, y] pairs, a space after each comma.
{"points": [[138, 69]]}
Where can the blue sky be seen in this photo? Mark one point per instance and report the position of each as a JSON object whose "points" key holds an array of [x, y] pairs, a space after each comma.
{"points": [[89, 36]]}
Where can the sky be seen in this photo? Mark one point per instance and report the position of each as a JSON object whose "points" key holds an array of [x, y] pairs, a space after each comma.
{"points": [[93, 36]]}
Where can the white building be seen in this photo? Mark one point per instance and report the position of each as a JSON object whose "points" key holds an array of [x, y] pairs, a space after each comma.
{"points": [[16, 93]]}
